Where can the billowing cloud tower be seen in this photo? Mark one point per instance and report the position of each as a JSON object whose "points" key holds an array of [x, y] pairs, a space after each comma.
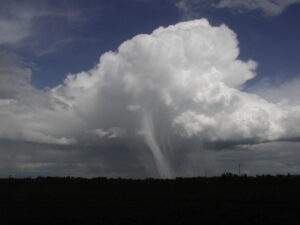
{"points": [[176, 90]]}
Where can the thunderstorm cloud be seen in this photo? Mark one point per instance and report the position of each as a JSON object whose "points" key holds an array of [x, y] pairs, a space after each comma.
{"points": [[162, 96]]}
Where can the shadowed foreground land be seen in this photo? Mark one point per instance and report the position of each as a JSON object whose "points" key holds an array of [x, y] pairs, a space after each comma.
{"points": [[225, 200]]}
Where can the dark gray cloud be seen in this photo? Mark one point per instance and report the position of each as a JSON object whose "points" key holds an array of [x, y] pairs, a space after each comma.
{"points": [[115, 160], [112, 159]]}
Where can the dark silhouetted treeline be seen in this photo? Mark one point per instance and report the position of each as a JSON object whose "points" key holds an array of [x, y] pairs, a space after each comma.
{"points": [[228, 199]]}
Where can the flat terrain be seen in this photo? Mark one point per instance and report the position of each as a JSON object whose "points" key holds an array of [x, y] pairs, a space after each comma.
{"points": [[222, 200]]}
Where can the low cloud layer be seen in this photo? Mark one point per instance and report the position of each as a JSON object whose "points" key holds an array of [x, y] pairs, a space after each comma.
{"points": [[158, 99]]}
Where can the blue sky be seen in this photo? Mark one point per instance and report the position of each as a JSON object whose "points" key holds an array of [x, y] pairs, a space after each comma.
{"points": [[61, 46], [73, 40]]}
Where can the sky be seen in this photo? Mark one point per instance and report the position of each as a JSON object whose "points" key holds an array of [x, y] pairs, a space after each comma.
{"points": [[142, 88]]}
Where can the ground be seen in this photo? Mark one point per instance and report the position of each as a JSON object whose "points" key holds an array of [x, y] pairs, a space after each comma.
{"points": [[229, 199]]}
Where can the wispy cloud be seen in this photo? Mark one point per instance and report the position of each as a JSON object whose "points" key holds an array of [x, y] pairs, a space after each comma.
{"points": [[19, 20], [191, 8], [268, 7], [15, 24]]}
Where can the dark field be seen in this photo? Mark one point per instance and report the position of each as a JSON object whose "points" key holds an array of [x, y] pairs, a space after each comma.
{"points": [[225, 200]]}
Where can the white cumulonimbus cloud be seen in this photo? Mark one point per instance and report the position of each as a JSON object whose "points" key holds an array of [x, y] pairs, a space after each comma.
{"points": [[179, 84]]}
